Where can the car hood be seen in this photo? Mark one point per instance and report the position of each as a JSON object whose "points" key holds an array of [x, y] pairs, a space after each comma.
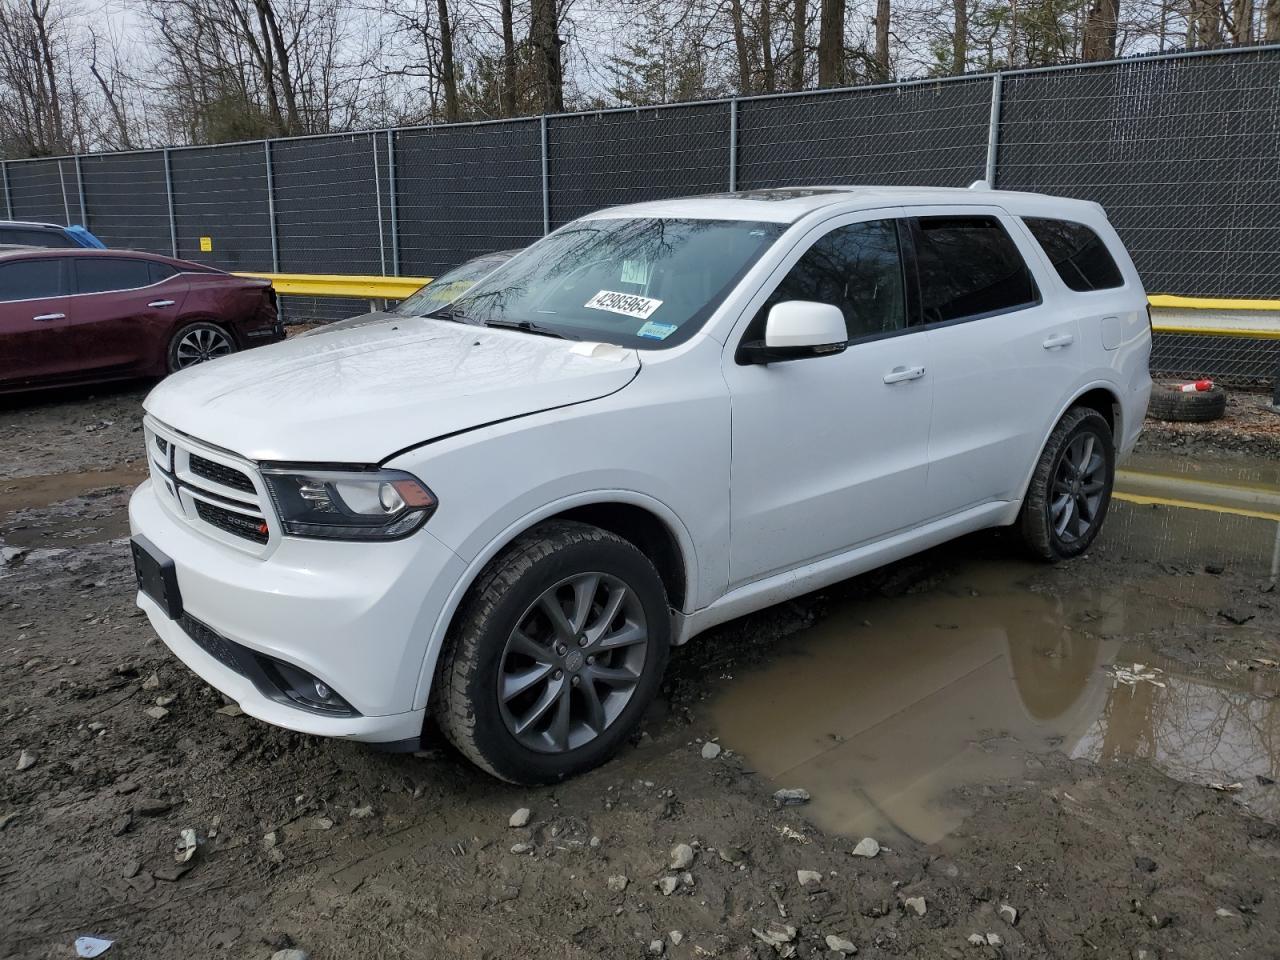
{"points": [[358, 395]]}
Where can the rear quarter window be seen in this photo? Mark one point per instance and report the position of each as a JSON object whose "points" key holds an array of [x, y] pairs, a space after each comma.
{"points": [[1077, 253]]}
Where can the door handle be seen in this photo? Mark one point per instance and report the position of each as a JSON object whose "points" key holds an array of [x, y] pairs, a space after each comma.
{"points": [[899, 374], [1059, 340], [50, 316], [160, 303]]}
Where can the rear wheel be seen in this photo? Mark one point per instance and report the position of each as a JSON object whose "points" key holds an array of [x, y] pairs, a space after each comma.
{"points": [[198, 343], [1070, 490], [555, 655]]}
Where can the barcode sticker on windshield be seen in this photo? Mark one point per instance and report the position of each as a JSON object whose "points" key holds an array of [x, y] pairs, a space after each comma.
{"points": [[627, 304]]}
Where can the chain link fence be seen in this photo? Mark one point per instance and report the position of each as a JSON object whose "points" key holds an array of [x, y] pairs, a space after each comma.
{"points": [[1183, 150]]}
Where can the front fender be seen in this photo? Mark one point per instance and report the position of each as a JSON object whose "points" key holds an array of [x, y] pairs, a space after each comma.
{"points": [[435, 624]]}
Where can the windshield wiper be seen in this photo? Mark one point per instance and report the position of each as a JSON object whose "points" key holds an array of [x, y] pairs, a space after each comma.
{"points": [[528, 326], [449, 312]]}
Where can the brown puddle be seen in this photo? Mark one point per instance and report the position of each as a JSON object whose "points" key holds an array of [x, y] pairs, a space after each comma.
{"points": [[69, 508], [889, 705]]}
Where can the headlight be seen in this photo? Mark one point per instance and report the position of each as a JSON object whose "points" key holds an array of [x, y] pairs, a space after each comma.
{"points": [[351, 504]]}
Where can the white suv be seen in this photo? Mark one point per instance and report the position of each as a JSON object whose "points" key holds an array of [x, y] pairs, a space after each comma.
{"points": [[657, 418]]}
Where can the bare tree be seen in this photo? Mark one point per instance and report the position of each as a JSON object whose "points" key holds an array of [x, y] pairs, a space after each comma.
{"points": [[1205, 23], [881, 21], [544, 38], [1271, 21], [508, 59], [116, 88], [831, 72], [38, 100], [799, 42], [1241, 21], [960, 36], [1100, 30]]}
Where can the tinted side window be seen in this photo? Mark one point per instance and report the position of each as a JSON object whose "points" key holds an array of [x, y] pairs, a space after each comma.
{"points": [[159, 271], [1077, 253], [101, 274], [969, 267], [857, 268], [31, 280], [31, 237]]}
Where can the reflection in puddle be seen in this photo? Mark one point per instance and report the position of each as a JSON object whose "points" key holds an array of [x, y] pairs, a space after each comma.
{"points": [[887, 706]]}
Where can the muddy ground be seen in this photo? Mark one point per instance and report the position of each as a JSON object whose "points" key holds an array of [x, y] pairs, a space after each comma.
{"points": [[1011, 734]]}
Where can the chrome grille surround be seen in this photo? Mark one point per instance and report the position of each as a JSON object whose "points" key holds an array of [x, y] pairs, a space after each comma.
{"points": [[180, 489]]}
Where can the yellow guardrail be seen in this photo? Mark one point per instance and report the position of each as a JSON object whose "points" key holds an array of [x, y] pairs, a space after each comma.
{"points": [[335, 285], [397, 288], [1170, 301]]}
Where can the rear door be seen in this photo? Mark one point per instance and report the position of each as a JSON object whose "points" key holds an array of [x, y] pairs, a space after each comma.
{"points": [[1002, 355], [33, 301], [122, 312]]}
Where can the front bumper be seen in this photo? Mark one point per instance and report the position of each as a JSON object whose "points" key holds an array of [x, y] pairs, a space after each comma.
{"points": [[357, 616]]}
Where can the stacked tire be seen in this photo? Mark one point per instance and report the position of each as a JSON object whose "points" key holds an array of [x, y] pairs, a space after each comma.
{"points": [[1169, 402]]}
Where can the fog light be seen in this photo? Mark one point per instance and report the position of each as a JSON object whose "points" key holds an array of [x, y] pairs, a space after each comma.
{"points": [[302, 689]]}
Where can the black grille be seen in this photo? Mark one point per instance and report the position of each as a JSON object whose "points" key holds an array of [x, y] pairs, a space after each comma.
{"points": [[218, 647], [251, 528], [227, 476]]}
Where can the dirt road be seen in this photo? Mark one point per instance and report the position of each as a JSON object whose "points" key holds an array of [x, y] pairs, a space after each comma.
{"points": [[1012, 736]]}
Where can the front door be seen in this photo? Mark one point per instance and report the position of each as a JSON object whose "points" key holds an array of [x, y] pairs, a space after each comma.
{"points": [[830, 452], [33, 303]]}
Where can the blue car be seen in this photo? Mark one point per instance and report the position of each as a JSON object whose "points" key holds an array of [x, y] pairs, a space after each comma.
{"points": [[23, 234]]}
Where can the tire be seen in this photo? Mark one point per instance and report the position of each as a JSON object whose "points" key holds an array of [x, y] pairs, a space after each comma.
{"points": [[486, 658], [197, 343], [1054, 530], [1170, 403]]}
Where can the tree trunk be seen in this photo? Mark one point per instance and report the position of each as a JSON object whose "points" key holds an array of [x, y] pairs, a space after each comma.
{"points": [[882, 39], [740, 46], [831, 43], [799, 18], [1205, 23], [1271, 24], [508, 61], [1014, 52], [448, 70], [960, 37], [1242, 21], [280, 54], [766, 47], [544, 37], [1100, 30], [56, 135]]}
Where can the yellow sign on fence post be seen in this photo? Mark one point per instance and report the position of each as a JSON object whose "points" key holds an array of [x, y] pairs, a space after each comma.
{"points": [[206, 244]]}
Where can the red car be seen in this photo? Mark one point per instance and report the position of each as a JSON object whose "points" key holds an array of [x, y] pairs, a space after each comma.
{"points": [[86, 316]]}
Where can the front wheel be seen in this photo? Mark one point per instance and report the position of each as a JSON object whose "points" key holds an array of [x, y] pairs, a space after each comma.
{"points": [[555, 654], [1070, 490], [198, 343]]}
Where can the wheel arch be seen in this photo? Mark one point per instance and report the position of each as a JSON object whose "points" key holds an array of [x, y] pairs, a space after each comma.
{"points": [[1101, 396], [644, 521]]}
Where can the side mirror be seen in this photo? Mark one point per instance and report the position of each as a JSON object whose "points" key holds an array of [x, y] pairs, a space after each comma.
{"points": [[797, 329]]}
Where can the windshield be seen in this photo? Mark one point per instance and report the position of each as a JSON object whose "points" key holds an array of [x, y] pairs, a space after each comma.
{"points": [[450, 285], [637, 282]]}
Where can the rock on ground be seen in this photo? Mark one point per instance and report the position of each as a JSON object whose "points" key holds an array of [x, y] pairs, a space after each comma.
{"points": [[867, 847], [841, 945], [808, 878], [681, 857]]}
